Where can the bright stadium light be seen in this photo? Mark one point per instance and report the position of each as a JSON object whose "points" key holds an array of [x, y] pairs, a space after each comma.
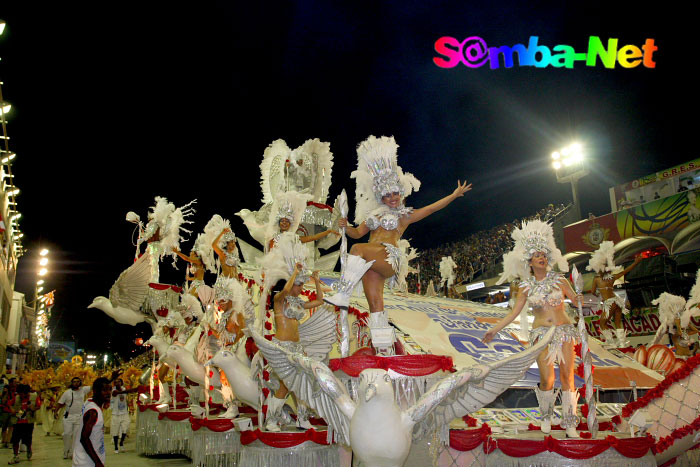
{"points": [[556, 155], [44, 252], [43, 271], [556, 165], [569, 166]]}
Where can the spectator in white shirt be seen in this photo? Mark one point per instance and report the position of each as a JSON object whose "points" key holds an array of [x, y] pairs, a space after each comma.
{"points": [[73, 400]]}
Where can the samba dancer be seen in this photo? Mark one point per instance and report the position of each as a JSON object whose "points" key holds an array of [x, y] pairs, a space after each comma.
{"points": [[381, 190], [603, 264], [314, 337], [532, 258]]}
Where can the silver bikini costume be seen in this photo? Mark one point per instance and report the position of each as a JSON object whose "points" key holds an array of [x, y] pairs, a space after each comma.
{"points": [[388, 219], [548, 292]]}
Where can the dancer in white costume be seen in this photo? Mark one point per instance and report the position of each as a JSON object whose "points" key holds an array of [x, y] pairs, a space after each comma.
{"points": [[532, 258], [603, 263], [315, 336], [381, 189], [288, 209]]}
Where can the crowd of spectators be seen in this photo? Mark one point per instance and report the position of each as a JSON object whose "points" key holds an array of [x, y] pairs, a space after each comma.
{"points": [[475, 254]]}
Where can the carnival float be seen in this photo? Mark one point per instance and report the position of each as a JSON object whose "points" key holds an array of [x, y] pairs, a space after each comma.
{"points": [[281, 360]]}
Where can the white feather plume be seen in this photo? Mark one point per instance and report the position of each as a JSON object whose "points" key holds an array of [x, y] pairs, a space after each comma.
{"points": [[369, 152], [320, 153], [603, 259], [278, 264], [171, 221], [213, 229], [272, 179], [670, 309], [691, 307]]}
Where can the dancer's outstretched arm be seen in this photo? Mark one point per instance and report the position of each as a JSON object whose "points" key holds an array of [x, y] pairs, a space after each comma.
{"points": [[353, 232], [424, 212]]}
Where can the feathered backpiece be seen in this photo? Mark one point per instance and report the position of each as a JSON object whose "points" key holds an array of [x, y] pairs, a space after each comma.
{"points": [[691, 307], [213, 229], [531, 237], [289, 205], [670, 309], [379, 174], [272, 180], [279, 263], [603, 259], [169, 220], [317, 154]]}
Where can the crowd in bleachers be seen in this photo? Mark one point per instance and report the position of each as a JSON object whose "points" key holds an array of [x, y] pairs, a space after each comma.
{"points": [[475, 254]]}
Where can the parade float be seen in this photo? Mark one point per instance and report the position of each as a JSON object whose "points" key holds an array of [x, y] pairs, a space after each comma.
{"points": [[416, 386]]}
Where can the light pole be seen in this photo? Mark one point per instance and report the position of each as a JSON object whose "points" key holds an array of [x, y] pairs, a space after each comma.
{"points": [[570, 166], [41, 307]]}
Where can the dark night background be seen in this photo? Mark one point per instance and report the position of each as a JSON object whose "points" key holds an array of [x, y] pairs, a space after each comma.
{"points": [[114, 103]]}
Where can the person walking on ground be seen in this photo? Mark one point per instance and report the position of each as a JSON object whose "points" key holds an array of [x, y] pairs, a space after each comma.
{"points": [[89, 446], [24, 409], [120, 414], [6, 400], [72, 400]]}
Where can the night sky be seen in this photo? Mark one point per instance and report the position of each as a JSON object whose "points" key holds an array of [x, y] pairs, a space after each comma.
{"points": [[115, 103]]}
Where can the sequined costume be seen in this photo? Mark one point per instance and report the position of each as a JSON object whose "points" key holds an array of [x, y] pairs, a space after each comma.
{"points": [[607, 306], [547, 292], [562, 333], [388, 219], [232, 258]]}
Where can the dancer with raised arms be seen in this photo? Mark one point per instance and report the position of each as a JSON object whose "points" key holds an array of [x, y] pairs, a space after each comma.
{"points": [[382, 187], [532, 258]]}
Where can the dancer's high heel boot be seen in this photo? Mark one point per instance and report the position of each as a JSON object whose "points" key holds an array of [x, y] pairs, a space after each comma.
{"points": [[546, 402], [355, 268], [569, 419], [164, 394], [382, 333], [621, 335], [273, 416]]}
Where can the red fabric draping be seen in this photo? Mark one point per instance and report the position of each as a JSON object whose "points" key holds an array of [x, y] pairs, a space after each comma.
{"points": [[632, 448], [283, 440], [157, 286], [217, 424], [319, 205], [174, 416], [408, 365], [466, 440]]}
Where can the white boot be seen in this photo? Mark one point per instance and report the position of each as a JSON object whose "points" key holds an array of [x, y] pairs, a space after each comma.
{"points": [[303, 416], [569, 418], [381, 332], [231, 411], [164, 393], [274, 408], [546, 402], [621, 335], [608, 336], [355, 268]]}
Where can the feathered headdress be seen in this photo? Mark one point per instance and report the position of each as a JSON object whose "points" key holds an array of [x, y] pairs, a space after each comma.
{"points": [[532, 237], [229, 289], [670, 309], [290, 206], [280, 262], [378, 174], [213, 229], [169, 220], [603, 259]]}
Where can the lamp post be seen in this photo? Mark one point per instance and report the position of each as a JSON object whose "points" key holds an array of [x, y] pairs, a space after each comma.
{"points": [[41, 307], [569, 165]]}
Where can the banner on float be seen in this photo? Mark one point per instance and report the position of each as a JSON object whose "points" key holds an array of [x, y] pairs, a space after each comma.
{"points": [[661, 218], [60, 351], [444, 326]]}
